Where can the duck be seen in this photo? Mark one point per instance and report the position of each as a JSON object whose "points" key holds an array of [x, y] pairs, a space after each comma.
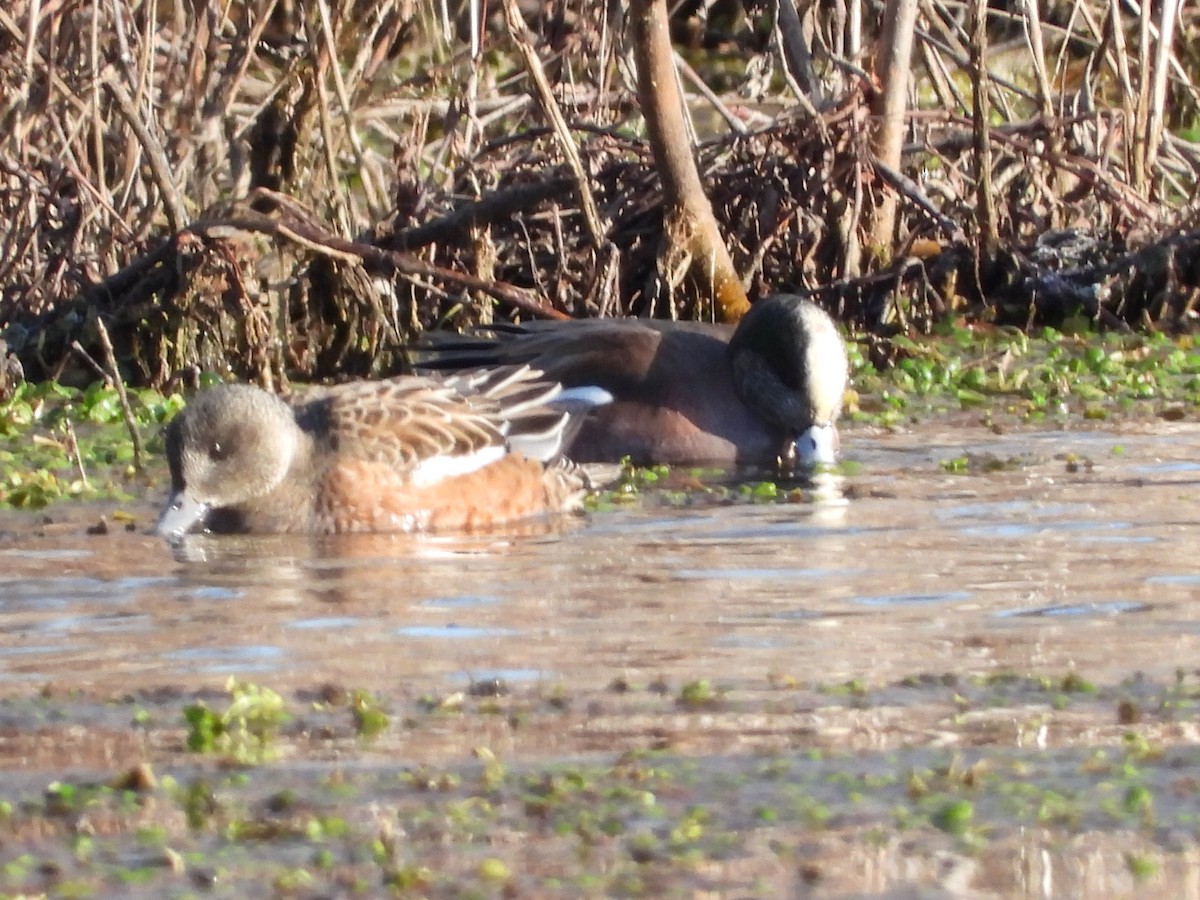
{"points": [[765, 392], [463, 452]]}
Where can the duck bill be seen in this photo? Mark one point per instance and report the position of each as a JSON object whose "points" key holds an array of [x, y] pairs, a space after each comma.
{"points": [[178, 515], [817, 446]]}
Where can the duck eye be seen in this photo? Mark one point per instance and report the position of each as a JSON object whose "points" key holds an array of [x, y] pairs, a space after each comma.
{"points": [[218, 451]]}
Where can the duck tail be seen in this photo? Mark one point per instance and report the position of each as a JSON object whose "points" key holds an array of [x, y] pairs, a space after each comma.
{"points": [[548, 439]]}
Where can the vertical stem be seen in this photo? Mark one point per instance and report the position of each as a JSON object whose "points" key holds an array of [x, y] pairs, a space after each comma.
{"points": [[985, 203], [795, 50], [691, 225], [110, 359], [1141, 124], [1158, 89], [544, 93], [890, 106]]}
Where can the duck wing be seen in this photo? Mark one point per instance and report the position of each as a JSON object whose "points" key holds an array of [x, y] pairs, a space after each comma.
{"points": [[429, 428]]}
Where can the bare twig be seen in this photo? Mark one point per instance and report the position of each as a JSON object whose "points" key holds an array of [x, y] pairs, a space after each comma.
{"points": [[100, 371], [119, 384], [313, 238], [523, 38], [1158, 91], [347, 111], [35, 14], [494, 207], [72, 448], [707, 93], [1141, 120], [985, 203], [893, 70], [159, 165], [796, 56], [691, 226], [230, 89], [1037, 54], [910, 189]]}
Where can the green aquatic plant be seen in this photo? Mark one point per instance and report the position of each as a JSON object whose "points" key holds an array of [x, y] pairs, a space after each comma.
{"points": [[59, 443], [698, 694], [761, 491], [494, 870], [244, 731], [629, 484], [370, 719], [1074, 683], [62, 443], [954, 817], [1047, 375], [1140, 866], [1138, 801]]}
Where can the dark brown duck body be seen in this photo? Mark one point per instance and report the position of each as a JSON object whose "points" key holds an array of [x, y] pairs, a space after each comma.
{"points": [[768, 389]]}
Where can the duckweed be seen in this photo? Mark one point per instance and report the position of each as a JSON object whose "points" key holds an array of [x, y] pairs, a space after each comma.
{"points": [[1141, 867], [1031, 378], [697, 695], [244, 730], [59, 443], [637, 821], [954, 817], [492, 869], [1138, 800], [370, 720]]}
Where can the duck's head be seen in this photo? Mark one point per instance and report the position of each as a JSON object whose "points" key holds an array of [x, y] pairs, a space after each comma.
{"points": [[232, 444], [789, 366]]}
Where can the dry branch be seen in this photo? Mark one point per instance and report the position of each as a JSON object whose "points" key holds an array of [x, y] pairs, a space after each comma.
{"points": [[691, 227], [893, 73], [985, 202], [411, 161], [284, 223], [523, 38]]}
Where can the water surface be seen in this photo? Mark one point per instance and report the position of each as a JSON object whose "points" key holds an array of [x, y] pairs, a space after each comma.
{"points": [[850, 642], [1054, 551]]}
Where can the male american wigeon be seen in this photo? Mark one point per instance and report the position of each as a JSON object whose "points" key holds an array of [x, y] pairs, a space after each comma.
{"points": [[770, 389], [459, 453]]}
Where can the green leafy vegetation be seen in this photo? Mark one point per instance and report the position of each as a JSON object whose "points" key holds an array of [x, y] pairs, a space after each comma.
{"points": [[625, 822], [370, 719], [698, 694], [954, 816], [244, 731], [61, 443], [1006, 373]]}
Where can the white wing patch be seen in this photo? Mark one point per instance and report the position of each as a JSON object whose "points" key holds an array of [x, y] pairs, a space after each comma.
{"points": [[433, 469]]}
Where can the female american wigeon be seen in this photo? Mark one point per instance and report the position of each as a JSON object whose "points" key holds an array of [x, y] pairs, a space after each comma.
{"points": [[686, 392], [462, 453]]}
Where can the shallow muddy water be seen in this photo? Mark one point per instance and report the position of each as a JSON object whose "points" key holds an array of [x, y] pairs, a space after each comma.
{"points": [[1054, 551], [851, 624]]}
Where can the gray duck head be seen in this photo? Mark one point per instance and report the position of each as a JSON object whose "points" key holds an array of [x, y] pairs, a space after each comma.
{"points": [[232, 444]]}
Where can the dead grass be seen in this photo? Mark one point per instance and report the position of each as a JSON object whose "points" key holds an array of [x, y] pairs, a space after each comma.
{"points": [[288, 190]]}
